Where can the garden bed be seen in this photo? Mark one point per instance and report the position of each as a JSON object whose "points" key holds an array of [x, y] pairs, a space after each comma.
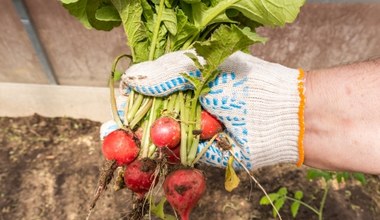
{"points": [[49, 169]]}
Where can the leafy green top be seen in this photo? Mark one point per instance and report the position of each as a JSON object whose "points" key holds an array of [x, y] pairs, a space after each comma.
{"points": [[215, 28]]}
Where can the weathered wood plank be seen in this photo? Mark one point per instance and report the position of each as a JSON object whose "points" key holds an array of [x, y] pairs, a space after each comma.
{"points": [[18, 62], [79, 56], [55, 101], [325, 35]]}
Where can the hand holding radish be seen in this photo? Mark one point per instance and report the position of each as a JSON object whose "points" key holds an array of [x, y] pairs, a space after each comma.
{"points": [[258, 102]]}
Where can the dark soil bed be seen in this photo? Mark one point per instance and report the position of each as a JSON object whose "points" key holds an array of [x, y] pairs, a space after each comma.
{"points": [[49, 170]]}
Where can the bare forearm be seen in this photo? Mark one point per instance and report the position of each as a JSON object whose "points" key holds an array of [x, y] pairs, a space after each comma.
{"points": [[342, 118]]}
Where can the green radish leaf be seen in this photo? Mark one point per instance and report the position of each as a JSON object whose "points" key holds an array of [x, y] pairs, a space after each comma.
{"points": [[294, 207], [360, 177], [185, 29], [169, 3], [130, 12], [187, 9], [279, 203], [117, 75], [158, 210], [313, 174], [298, 195], [346, 175], [224, 41], [269, 12], [242, 20], [198, 12], [213, 75], [282, 191], [69, 1], [161, 45], [340, 176], [265, 201], [85, 10], [231, 179], [107, 13], [192, 1], [205, 90], [195, 59], [147, 10], [232, 13], [169, 18], [195, 81], [266, 12]]}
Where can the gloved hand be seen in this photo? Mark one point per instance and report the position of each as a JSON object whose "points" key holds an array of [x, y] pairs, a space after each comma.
{"points": [[260, 103]]}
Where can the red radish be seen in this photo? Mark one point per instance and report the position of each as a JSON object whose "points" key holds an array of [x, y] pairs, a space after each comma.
{"points": [[165, 132], [210, 126], [120, 146], [139, 176], [183, 189], [172, 155]]}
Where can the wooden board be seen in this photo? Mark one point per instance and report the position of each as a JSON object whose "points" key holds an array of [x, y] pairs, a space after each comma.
{"points": [[325, 35], [55, 101], [18, 62], [78, 56]]}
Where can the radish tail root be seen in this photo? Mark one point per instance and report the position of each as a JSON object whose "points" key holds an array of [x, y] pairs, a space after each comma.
{"points": [[257, 182], [105, 177]]}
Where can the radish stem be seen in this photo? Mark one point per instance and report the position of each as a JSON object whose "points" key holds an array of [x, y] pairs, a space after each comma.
{"points": [[177, 107], [147, 103], [135, 107], [112, 91], [156, 29], [203, 151], [152, 149], [194, 146], [183, 117], [145, 142], [172, 100], [165, 104], [126, 112], [190, 119]]}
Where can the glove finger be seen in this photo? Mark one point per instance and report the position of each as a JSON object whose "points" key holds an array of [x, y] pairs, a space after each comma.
{"points": [[111, 125], [124, 89], [161, 77], [107, 127], [227, 107], [121, 102]]}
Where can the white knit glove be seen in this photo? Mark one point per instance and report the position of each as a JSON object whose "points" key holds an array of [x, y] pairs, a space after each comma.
{"points": [[258, 102]]}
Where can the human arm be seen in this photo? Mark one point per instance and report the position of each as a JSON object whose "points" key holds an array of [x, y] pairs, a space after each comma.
{"points": [[342, 118]]}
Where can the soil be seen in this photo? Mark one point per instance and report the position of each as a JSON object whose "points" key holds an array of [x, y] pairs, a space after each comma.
{"points": [[49, 169]]}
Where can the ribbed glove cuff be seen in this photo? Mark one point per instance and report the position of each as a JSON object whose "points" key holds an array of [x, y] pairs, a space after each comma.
{"points": [[277, 116]]}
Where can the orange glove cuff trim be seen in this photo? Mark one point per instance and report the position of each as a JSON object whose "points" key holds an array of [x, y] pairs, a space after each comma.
{"points": [[301, 118]]}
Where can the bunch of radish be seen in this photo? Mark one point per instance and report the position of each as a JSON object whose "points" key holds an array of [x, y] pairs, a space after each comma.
{"points": [[155, 133], [162, 137]]}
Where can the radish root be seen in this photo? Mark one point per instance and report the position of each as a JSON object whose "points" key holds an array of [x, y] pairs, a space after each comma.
{"points": [[258, 184]]}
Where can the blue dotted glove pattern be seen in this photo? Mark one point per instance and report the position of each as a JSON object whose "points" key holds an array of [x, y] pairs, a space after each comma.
{"points": [[231, 109], [179, 83]]}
